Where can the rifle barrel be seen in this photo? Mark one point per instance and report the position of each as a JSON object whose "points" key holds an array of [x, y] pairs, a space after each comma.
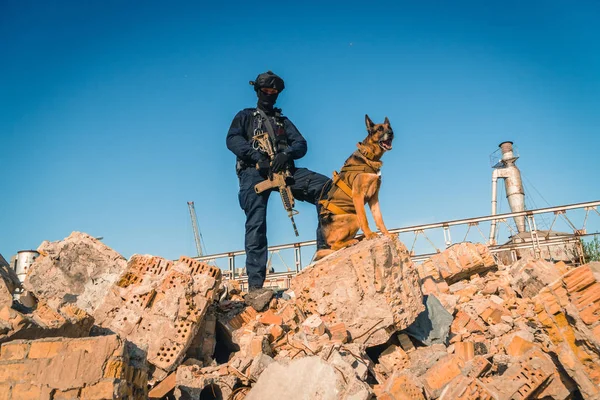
{"points": [[294, 224]]}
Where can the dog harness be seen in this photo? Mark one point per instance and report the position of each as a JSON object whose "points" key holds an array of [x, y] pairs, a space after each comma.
{"points": [[340, 201]]}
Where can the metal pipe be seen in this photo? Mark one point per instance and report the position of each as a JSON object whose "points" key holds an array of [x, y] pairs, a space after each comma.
{"points": [[515, 194], [513, 183], [492, 240]]}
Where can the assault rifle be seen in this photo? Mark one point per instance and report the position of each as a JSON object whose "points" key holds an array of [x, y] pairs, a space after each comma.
{"points": [[277, 180]]}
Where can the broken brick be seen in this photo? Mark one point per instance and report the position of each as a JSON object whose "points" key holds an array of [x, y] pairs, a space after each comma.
{"points": [[269, 318], [441, 373], [465, 388], [518, 346], [60, 365], [465, 350], [314, 325], [338, 332]]}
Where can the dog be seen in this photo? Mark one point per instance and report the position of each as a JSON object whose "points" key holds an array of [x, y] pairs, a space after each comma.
{"points": [[342, 211]]}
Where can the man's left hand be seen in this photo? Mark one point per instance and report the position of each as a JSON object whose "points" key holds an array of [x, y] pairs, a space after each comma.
{"points": [[280, 162]]}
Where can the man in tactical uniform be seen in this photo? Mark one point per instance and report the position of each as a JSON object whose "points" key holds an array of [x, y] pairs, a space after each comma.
{"points": [[253, 166]]}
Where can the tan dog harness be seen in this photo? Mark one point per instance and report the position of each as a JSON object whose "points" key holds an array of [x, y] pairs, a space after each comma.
{"points": [[340, 201]]}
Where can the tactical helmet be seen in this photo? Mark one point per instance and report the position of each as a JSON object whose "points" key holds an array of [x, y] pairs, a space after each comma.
{"points": [[268, 80]]}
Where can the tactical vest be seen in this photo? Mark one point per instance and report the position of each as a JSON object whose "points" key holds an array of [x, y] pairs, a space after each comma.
{"points": [[339, 198], [279, 141]]}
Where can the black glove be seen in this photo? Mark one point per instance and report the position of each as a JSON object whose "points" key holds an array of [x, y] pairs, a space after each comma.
{"points": [[264, 168], [280, 162]]}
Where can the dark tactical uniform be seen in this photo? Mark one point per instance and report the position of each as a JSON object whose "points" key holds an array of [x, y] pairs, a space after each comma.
{"points": [[307, 185]]}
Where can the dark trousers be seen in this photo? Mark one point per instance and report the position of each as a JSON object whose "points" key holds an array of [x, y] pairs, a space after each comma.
{"points": [[307, 187]]}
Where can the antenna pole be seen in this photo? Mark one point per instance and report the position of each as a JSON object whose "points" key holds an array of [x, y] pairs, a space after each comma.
{"points": [[195, 227]]}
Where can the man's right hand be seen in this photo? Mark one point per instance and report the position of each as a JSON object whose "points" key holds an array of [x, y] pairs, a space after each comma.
{"points": [[264, 168]]}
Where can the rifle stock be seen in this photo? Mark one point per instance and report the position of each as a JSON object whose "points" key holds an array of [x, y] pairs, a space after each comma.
{"points": [[277, 181]]}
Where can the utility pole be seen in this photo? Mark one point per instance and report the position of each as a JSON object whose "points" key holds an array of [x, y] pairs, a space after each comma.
{"points": [[195, 228]]}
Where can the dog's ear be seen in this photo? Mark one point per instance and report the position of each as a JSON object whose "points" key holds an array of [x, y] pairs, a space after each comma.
{"points": [[369, 123], [386, 121]]}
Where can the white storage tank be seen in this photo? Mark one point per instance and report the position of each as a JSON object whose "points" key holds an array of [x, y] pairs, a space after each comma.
{"points": [[24, 260]]}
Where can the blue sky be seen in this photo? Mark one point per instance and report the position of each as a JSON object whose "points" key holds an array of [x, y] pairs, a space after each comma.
{"points": [[114, 113]]}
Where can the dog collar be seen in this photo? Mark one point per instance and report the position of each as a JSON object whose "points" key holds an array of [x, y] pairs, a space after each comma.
{"points": [[369, 155]]}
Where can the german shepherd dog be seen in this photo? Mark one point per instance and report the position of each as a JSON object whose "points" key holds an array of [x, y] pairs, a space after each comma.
{"points": [[343, 208]]}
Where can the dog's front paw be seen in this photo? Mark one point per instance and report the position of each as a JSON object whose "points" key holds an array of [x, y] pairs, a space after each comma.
{"points": [[371, 235]]}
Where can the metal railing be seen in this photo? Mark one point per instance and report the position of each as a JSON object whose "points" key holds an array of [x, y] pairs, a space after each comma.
{"points": [[421, 231]]}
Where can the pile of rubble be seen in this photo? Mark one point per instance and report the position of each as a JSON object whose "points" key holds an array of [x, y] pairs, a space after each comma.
{"points": [[362, 323]]}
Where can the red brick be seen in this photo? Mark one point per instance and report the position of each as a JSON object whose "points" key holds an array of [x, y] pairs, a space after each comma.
{"points": [[14, 351], [561, 267], [71, 394], [559, 387], [465, 350], [461, 319], [237, 321], [291, 315], [4, 391], [523, 378], [591, 314], [394, 359], [491, 315], [159, 391], [86, 345], [442, 372], [401, 387], [314, 325], [16, 371], [25, 391], [578, 278], [256, 345], [339, 333], [405, 342], [476, 367], [591, 294], [275, 333], [269, 318], [463, 322], [428, 285], [518, 346], [100, 391], [45, 349], [464, 388]]}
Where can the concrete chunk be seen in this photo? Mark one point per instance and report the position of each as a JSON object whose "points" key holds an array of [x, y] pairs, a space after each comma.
{"points": [[79, 270], [309, 378], [371, 287], [9, 282]]}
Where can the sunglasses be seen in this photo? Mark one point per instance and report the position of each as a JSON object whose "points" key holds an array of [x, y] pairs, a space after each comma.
{"points": [[269, 90]]}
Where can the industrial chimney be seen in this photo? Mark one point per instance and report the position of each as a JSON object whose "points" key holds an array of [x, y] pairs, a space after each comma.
{"points": [[506, 169]]}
